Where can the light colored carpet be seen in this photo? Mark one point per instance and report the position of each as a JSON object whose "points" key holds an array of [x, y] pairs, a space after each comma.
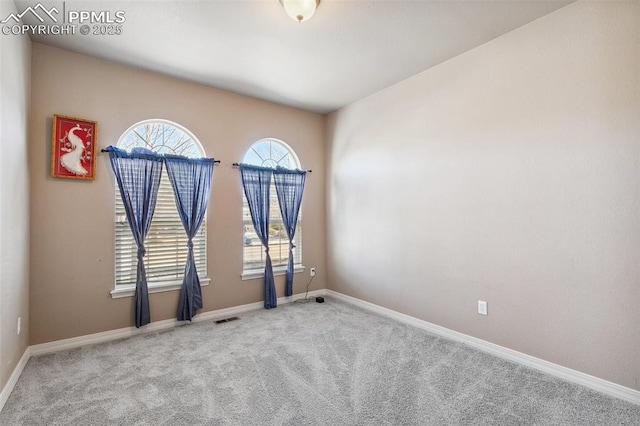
{"points": [[302, 364]]}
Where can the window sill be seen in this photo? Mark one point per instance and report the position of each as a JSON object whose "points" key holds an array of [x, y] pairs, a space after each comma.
{"points": [[130, 290], [278, 270]]}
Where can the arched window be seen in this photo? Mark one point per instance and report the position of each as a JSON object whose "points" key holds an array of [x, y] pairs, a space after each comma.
{"points": [[269, 153], [166, 242]]}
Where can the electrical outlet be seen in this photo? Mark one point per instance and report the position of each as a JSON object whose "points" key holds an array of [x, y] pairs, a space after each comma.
{"points": [[19, 327], [482, 307], [312, 272]]}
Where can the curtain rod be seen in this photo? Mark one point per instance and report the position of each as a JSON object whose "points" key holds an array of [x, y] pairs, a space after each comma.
{"points": [[215, 161], [238, 165]]}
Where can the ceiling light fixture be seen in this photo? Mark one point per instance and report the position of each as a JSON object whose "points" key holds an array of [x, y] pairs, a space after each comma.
{"points": [[300, 10]]}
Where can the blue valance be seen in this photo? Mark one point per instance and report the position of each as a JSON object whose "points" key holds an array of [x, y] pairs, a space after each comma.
{"points": [[150, 155]]}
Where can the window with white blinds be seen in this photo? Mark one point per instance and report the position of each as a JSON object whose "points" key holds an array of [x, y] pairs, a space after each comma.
{"points": [[166, 242], [269, 153], [253, 253]]}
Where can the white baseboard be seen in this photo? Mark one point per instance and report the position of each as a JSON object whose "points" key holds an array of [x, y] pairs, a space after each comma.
{"points": [[595, 383], [107, 336], [8, 388], [565, 373]]}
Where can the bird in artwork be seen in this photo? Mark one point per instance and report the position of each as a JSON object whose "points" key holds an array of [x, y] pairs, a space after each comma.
{"points": [[71, 160]]}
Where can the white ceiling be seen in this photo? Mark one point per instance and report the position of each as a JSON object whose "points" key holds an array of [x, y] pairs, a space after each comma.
{"points": [[348, 50]]}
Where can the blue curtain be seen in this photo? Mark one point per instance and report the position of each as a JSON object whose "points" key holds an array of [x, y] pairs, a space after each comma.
{"points": [[138, 175], [289, 186], [257, 182], [191, 182]]}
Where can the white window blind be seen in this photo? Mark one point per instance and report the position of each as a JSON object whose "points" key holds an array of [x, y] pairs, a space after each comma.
{"points": [[253, 253], [166, 242]]}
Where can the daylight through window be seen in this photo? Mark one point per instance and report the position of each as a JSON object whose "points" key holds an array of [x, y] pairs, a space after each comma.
{"points": [[269, 153], [166, 242]]}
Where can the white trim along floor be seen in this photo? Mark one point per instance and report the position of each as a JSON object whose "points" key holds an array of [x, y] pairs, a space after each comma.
{"points": [[600, 385]]}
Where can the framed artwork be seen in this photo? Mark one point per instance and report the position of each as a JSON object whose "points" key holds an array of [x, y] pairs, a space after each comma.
{"points": [[73, 148]]}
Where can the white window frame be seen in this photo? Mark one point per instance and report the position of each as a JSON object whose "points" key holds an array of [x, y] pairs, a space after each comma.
{"points": [[160, 285], [253, 273]]}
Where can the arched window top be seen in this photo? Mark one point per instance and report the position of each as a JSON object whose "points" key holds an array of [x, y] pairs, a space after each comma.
{"points": [[271, 152], [163, 137]]}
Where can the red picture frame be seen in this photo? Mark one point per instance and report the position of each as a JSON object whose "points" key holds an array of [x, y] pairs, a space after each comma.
{"points": [[73, 148]]}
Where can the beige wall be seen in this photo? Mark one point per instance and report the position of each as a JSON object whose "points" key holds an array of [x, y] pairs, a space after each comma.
{"points": [[510, 174], [15, 62], [72, 222]]}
